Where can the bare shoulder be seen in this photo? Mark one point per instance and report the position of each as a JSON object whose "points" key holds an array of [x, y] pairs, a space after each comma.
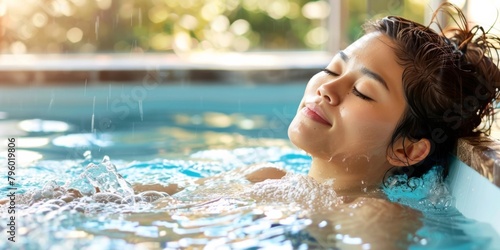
{"points": [[253, 173], [261, 172]]}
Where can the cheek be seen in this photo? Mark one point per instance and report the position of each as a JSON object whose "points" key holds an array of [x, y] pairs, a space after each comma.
{"points": [[313, 85], [306, 136], [297, 131], [368, 128]]}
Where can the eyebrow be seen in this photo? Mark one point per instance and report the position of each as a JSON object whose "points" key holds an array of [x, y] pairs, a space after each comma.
{"points": [[366, 71]]}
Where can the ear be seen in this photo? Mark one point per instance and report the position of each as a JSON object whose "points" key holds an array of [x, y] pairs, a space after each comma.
{"points": [[406, 152]]}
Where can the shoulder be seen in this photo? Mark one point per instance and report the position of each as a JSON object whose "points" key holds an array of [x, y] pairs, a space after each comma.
{"points": [[261, 172]]}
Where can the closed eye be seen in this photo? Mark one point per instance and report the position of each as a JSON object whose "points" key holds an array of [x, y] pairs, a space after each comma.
{"points": [[330, 72], [356, 92]]}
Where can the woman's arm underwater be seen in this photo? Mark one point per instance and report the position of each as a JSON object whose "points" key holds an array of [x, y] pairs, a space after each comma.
{"points": [[253, 173]]}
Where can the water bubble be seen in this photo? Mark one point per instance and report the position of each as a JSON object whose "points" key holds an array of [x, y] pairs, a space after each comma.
{"points": [[48, 189], [107, 198], [150, 196], [414, 183]]}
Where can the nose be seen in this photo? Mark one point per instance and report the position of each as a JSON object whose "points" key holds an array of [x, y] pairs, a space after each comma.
{"points": [[329, 93]]}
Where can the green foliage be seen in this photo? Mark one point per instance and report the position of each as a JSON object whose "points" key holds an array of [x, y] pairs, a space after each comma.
{"points": [[123, 26]]}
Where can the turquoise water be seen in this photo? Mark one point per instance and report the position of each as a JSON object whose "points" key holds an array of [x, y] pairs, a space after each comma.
{"points": [[179, 134]]}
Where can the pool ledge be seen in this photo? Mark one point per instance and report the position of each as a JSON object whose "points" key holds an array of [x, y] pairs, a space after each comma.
{"points": [[241, 68], [483, 155], [474, 179]]}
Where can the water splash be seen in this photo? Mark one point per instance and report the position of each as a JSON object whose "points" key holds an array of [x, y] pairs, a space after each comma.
{"points": [[102, 177], [426, 193], [87, 156], [105, 177], [58, 217]]}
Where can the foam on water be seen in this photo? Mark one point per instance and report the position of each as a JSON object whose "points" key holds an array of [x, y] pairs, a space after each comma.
{"points": [[296, 189], [426, 193]]}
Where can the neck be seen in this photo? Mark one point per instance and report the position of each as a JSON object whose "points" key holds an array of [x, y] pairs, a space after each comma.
{"points": [[350, 175]]}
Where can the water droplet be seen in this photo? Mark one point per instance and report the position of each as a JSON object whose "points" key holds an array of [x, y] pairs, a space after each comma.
{"points": [[322, 224], [85, 89], [52, 97], [87, 155], [92, 129], [139, 16], [141, 113], [97, 28]]}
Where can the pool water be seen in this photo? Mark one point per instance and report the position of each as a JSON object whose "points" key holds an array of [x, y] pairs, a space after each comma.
{"points": [[180, 134]]}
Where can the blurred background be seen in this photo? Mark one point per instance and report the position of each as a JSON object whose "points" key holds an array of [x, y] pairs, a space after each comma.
{"points": [[61, 41], [175, 26], [152, 26]]}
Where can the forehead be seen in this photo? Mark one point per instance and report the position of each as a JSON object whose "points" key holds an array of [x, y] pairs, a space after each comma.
{"points": [[372, 42], [376, 52]]}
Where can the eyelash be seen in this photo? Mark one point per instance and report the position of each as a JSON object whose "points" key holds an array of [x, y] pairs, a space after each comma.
{"points": [[355, 91], [330, 72], [360, 95]]}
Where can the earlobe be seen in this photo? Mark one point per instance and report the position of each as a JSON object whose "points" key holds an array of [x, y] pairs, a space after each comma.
{"points": [[407, 153]]}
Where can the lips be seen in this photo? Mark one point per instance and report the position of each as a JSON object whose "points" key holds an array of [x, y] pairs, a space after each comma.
{"points": [[313, 112]]}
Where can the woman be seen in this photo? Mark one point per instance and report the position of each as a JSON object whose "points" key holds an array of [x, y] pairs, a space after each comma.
{"points": [[396, 99], [399, 97]]}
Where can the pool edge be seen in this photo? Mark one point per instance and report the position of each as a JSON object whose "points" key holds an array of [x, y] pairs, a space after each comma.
{"points": [[474, 179]]}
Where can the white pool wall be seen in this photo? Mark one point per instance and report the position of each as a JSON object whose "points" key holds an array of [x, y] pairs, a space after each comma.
{"points": [[475, 196]]}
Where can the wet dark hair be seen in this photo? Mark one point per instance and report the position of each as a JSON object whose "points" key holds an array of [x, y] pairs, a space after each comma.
{"points": [[450, 82]]}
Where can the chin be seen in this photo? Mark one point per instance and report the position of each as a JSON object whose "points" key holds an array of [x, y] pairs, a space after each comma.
{"points": [[292, 134], [294, 130], [299, 138]]}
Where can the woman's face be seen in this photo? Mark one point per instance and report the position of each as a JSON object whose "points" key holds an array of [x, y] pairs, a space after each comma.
{"points": [[350, 110]]}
